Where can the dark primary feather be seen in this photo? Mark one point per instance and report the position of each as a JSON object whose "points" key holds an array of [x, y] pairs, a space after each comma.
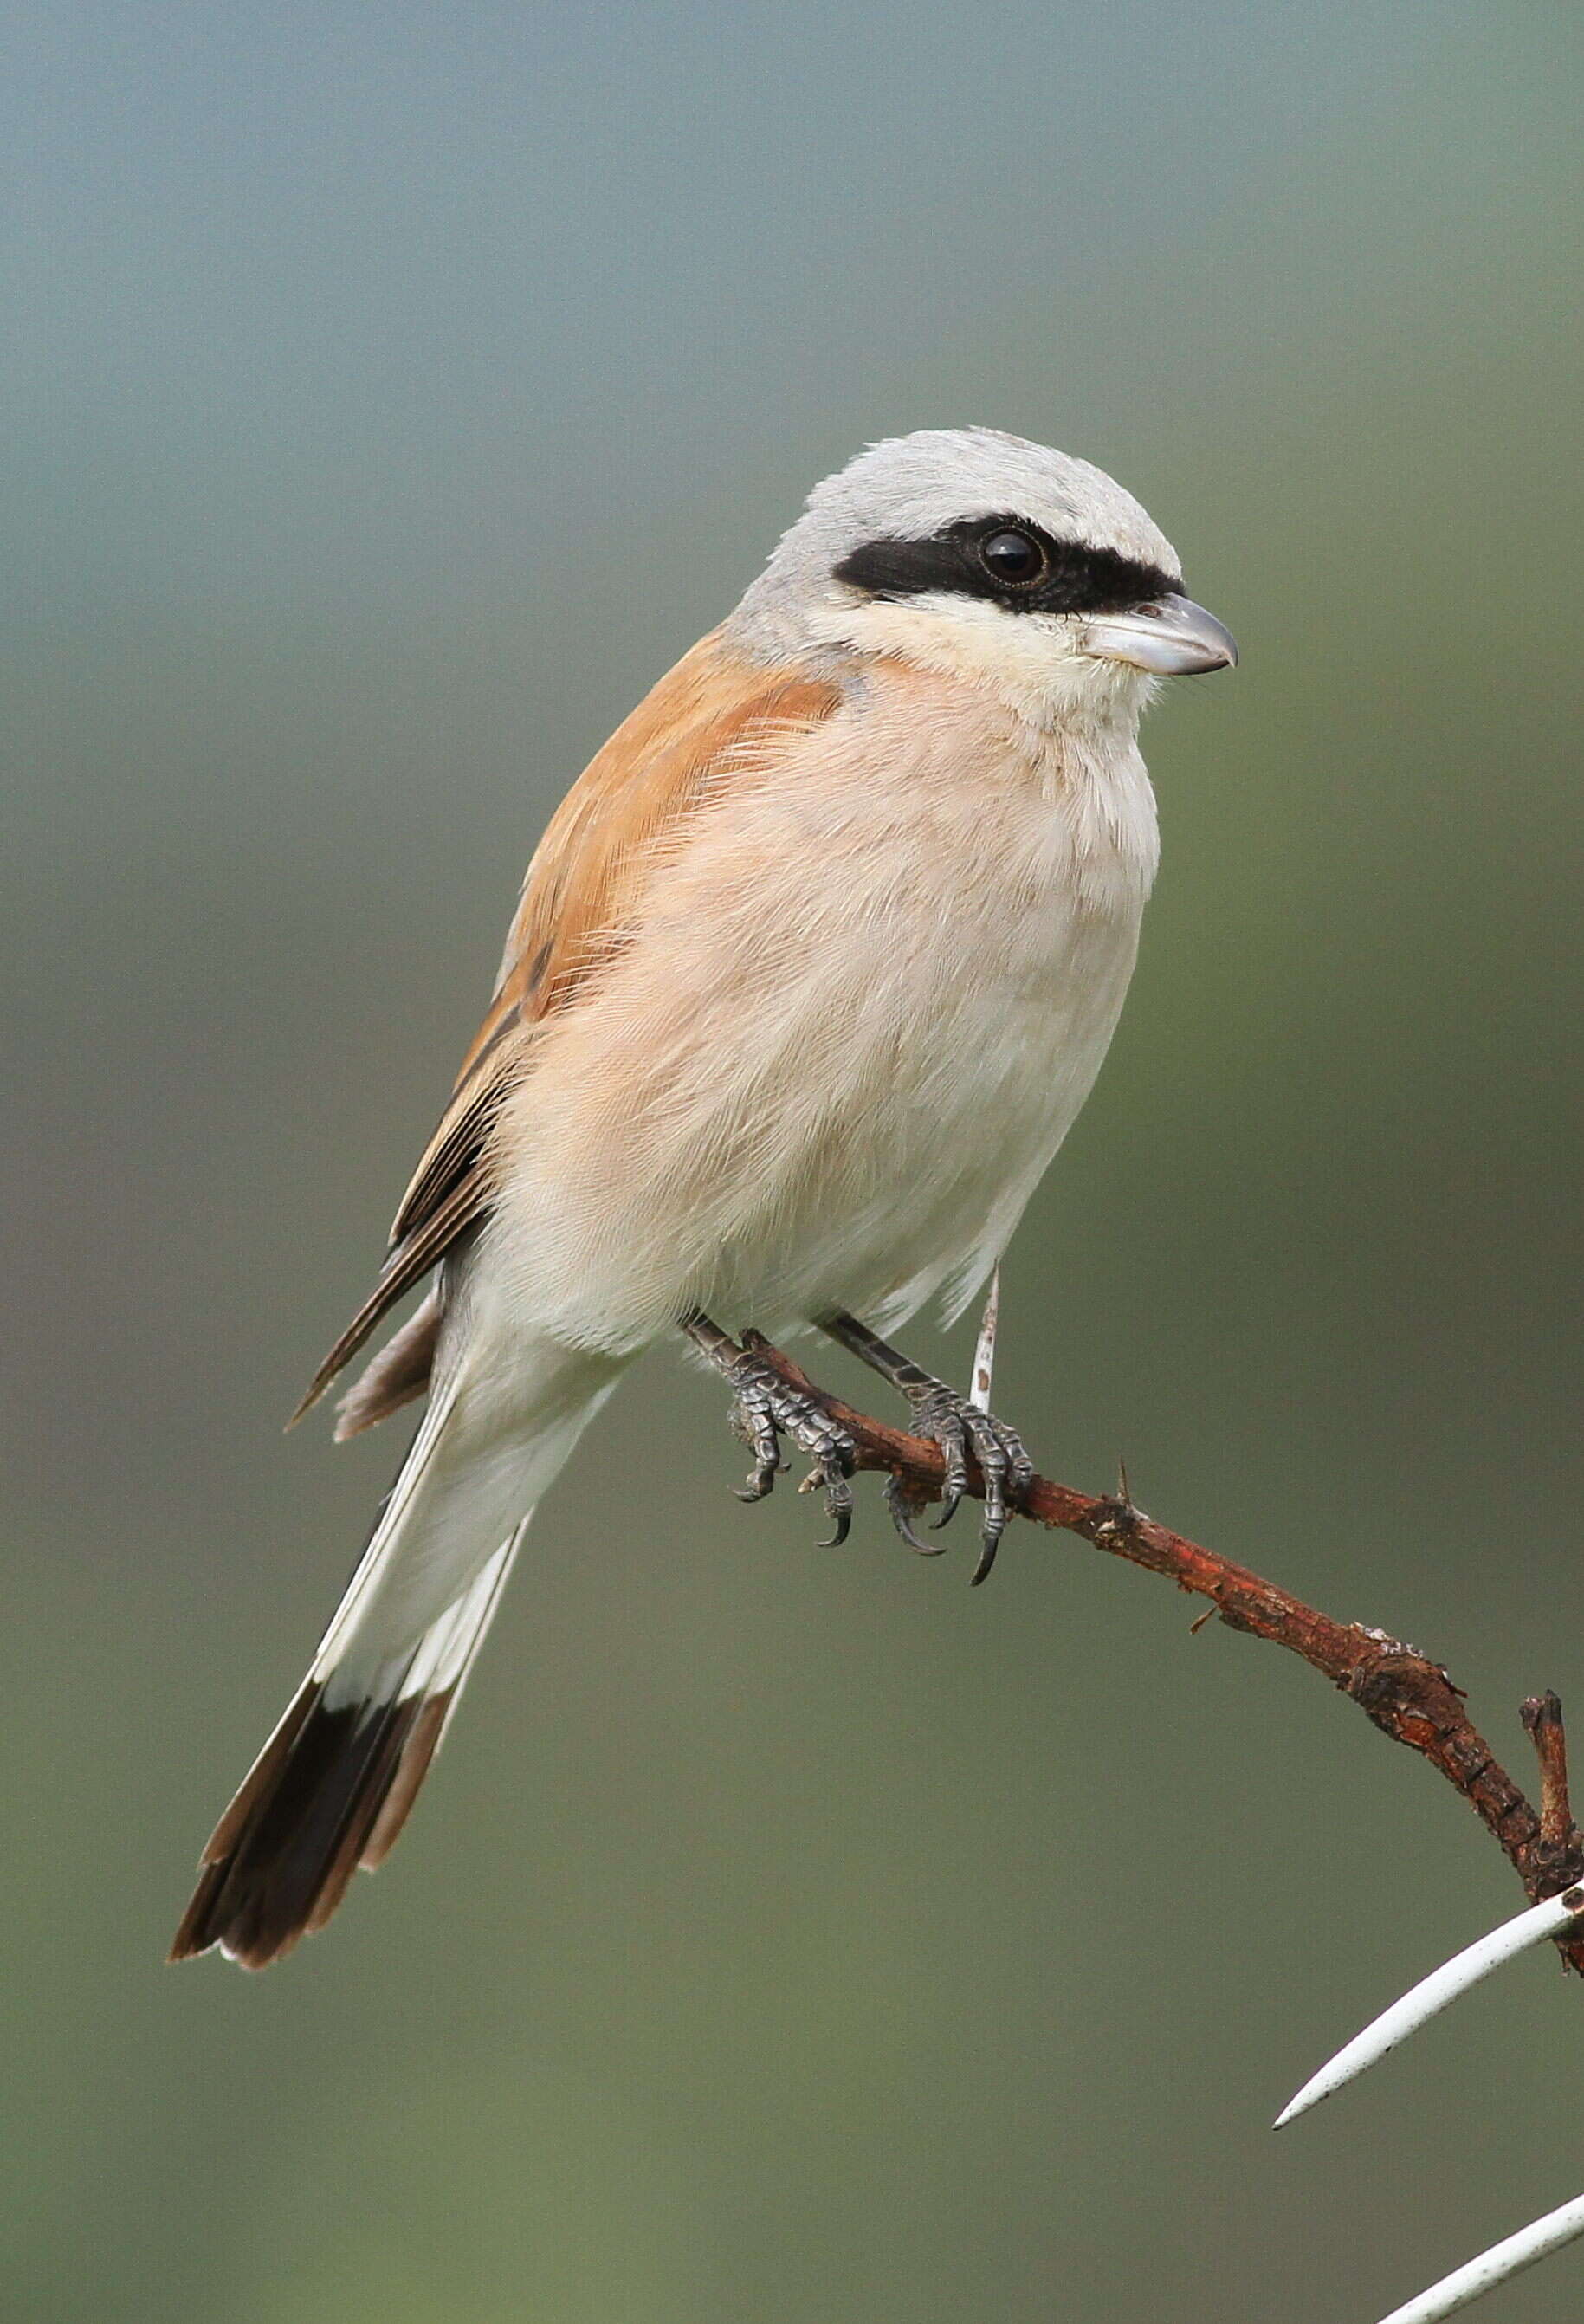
{"points": [[409, 1262], [397, 1374]]}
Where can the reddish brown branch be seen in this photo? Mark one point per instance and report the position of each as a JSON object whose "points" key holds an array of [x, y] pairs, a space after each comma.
{"points": [[1409, 1697], [1542, 1716]]}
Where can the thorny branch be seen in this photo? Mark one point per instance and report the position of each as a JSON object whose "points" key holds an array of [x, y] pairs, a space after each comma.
{"points": [[1409, 1697]]}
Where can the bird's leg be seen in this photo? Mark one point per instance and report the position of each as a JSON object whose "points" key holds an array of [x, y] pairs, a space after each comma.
{"points": [[765, 1407], [958, 1427]]}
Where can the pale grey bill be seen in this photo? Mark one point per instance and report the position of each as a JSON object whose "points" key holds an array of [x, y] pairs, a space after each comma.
{"points": [[1171, 637]]}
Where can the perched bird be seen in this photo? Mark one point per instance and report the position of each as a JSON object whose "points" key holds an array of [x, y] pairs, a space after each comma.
{"points": [[812, 970]]}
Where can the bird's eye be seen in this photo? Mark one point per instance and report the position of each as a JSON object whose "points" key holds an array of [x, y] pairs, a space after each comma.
{"points": [[1013, 558]]}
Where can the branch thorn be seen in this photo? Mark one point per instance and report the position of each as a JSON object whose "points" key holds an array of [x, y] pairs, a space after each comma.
{"points": [[1543, 1718]]}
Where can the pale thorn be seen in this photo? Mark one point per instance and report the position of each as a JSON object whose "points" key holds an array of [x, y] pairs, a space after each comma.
{"points": [[984, 1353], [1494, 2266], [1432, 1994]]}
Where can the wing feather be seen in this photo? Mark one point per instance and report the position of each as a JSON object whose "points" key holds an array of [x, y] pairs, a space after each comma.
{"points": [[578, 899]]}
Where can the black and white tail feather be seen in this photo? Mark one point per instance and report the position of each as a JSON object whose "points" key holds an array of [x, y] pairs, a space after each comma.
{"points": [[332, 1788]]}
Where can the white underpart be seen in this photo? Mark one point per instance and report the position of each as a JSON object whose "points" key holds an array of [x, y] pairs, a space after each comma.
{"points": [[872, 988], [837, 1085]]}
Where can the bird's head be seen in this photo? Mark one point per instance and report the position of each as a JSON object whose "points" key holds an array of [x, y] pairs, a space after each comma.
{"points": [[993, 559]]}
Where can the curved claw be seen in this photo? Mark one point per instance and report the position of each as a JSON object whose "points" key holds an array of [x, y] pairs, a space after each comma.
{"points": [[768, 1466], [991, 1456], [901, 1509], [989, 1541], [958, 1427], [843, 1516], [754, 1420], [765, 1408], [1007, 1470], [829, 1475], [939, 1416]]}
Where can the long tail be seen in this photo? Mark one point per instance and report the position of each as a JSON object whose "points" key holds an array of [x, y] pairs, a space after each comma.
{"points": [[332, 1787]]}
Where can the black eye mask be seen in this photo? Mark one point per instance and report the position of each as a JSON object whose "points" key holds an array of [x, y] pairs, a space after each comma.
{"points": [[1068, 577]]}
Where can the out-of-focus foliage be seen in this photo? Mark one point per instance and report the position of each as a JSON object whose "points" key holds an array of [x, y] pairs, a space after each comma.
{"points": [[786, 1935]]}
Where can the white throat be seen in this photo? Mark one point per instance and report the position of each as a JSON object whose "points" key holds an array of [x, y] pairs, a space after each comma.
{"points": [[1029, 663]]}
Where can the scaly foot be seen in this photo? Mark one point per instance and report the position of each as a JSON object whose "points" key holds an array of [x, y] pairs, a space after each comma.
{"points": [[764, 1408], [958, 1427]]}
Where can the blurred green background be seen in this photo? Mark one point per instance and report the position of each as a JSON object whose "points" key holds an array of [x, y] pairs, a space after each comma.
{"points": [[787, 1935]]}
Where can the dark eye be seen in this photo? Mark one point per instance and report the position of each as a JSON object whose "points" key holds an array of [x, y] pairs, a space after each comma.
{"points": [[1013, 558]]}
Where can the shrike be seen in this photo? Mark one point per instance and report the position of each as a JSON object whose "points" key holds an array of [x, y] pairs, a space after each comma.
{"points": [[812, 970]]}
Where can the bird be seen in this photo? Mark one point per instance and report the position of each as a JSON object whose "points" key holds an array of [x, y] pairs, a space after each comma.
{"points": [[811, 970]]}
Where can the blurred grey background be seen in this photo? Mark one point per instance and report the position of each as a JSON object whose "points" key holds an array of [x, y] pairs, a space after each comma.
{"points": [[787, 1935]]}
